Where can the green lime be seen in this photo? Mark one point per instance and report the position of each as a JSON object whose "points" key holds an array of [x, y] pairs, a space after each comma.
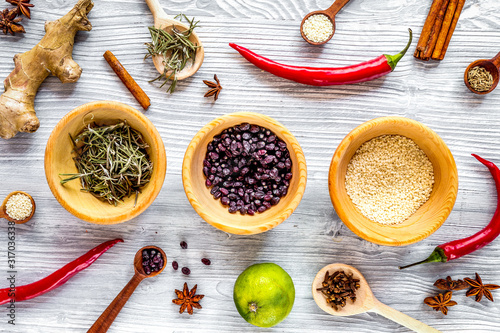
{"points": [[264, 294]]}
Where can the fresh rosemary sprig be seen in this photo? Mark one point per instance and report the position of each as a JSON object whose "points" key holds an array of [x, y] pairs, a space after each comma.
{"points": [[112, 162], [175, 48]]}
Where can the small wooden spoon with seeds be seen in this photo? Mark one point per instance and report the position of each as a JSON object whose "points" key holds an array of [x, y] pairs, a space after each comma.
{"points": [[492, 66], [330, 13], [3, 208], [365, 301], [163, 21], [103, 323]]}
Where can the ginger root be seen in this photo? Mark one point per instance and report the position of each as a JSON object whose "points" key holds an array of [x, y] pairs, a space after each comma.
{"points": [[52, 55]]}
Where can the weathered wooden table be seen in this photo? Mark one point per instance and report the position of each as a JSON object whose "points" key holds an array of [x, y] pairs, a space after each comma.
{"points": [[430, 92]]}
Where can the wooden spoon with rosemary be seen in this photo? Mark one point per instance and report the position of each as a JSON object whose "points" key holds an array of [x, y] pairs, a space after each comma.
{"points": [[176, 50]]}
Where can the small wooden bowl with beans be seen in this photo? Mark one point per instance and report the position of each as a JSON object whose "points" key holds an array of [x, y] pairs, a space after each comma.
{"points": [[207, 198], [426, 217]]}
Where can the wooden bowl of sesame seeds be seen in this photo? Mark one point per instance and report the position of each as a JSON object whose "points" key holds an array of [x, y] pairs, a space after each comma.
{"points": [[424, 220]]}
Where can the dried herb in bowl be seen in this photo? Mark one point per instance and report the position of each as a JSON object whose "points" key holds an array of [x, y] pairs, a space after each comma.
{"points": [[112, 162]]}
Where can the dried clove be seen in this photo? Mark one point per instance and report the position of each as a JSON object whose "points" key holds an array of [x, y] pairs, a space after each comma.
{"points": [[338, 287]]}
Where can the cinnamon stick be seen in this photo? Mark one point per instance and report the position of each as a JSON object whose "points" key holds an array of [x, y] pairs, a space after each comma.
{"points": [[448, 19], [426, 30], [453, 25], [435, 31], [129, 82]]}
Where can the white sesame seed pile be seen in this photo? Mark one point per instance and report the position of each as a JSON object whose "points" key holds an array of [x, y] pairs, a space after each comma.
{"points": [[317, 28], [19, 206], [389, 178]]}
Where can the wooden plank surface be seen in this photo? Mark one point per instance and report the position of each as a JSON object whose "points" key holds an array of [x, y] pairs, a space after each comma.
{"points": [[314, 236]]}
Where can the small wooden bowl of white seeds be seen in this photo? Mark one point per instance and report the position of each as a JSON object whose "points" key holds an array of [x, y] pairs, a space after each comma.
{"points": [[18, 207], [393, 181]]}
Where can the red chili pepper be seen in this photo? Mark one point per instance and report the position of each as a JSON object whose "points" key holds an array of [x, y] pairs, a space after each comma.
{"points": [[458, 248], [57, 278], [325, 76]]}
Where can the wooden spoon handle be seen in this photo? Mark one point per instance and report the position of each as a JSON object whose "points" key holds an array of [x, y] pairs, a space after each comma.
{"points": [[103, 323], [156, 9], [496, 60], [336, 7], [402, 319]]}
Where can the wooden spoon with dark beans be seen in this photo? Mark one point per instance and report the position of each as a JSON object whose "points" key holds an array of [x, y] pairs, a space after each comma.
{"points": [[103, 323]]}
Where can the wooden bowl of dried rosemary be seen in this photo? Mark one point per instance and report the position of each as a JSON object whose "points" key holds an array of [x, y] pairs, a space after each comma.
{"points": [[254, 210], [105, 162]]}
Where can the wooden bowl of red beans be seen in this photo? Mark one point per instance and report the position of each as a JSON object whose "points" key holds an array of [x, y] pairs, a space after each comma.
{"points": [[244, 173]]}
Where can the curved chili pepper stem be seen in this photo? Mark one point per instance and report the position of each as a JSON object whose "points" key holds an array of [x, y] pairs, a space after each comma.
{"points": [[436, 256], [392, 60], [461, 247]]}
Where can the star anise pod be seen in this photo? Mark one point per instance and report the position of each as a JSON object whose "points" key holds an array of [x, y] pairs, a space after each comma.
{"points": [[440, 302], [187, 299], [9, 23], [479, 289], [449, 284], [23, 6], [215, 88]]}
